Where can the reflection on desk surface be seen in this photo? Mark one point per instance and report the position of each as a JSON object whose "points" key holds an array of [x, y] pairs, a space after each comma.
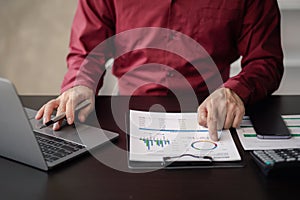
{"points": [[17, 179]]}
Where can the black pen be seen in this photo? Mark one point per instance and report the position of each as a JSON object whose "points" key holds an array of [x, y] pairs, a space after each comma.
{"points": [[63, 115]]}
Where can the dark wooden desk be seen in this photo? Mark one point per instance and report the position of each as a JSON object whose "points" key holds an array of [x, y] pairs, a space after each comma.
{"points": [[87, 178]]}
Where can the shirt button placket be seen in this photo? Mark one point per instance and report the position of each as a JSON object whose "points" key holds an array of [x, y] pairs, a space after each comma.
{"points": [[171, 36], [170, 74]]}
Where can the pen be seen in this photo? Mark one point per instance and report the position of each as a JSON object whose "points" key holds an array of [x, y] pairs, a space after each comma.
{"points": [[63, 115]]}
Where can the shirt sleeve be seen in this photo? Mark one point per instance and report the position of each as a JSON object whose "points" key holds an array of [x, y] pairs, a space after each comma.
{"points": [[92, 24], [259, 45]]}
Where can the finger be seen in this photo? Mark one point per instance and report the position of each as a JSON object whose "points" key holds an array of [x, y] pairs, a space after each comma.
{"points": [[238, 118], [221, 109], [76, 96], [83, 113], [57, 125], [49, 108], [202, 115], [230, 115], [70, 111], [60, 110], [40, 113], [212, 121], [229, 120]]}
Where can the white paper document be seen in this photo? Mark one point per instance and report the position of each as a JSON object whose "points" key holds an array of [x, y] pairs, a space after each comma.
{"points": [[249, 141], [155, 135]]}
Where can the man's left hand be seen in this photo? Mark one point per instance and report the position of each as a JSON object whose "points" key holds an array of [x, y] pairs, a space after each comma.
{"points": [[221, 110]]}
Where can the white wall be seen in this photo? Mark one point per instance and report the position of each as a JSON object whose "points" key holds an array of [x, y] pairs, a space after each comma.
{"points": [[291, 45], [34, 37]]}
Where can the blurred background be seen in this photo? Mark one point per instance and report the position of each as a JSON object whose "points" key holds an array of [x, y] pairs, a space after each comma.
{"points": [[34, 38]]}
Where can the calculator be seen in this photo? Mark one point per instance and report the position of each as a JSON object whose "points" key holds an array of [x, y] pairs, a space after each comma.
{"points": [[277, 161]]}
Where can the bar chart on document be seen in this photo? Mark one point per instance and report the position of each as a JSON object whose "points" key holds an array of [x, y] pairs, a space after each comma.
{"points": [[154, 135]]}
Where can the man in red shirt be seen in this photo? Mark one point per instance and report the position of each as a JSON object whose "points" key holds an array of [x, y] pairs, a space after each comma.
{"points": [[226, 29]]}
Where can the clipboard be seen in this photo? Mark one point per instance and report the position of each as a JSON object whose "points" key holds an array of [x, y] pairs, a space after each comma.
{"points": [[172, 163]]}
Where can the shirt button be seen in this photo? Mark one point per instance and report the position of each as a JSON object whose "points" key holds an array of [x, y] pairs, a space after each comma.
{"points": [[170, 74], [171, 36]]}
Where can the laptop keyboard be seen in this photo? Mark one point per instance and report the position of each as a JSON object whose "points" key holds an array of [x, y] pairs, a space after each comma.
{"points": [[55, 148]]}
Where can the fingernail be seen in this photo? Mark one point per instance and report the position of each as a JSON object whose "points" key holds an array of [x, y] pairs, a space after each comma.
{"points": [[69, 120], [82, 118], [55, 126], [212, 137], [215, 138], [44, 120]]}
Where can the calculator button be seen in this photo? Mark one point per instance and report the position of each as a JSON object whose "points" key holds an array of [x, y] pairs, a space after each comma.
{"points": [[290, 159], [269, 162], [280, 160]]}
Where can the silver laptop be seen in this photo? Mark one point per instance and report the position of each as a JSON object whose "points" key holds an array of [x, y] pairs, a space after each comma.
{"points": [[22, 140]]}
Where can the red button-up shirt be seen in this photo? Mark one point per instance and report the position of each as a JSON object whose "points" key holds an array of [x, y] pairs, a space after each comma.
{"points": [[155, 46]]}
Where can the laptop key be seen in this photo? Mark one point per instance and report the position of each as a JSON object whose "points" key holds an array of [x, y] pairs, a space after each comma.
{"points": [[68, 148], [57, 144], [64, 152], [55, 148], [54, 158], [59, 155]]}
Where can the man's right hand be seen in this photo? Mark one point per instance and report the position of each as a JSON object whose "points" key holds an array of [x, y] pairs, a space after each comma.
{"points": [[67, 103]]}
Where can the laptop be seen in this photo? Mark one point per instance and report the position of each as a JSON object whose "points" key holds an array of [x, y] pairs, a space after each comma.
{"points": [[22, 140]]}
